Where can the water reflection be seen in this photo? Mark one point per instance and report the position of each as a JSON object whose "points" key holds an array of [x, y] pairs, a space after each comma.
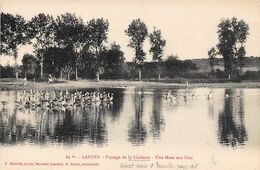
{"points": [[232, 130], [211, 109], [137, 132], [157, 119], [57, 125], [142, 116]]}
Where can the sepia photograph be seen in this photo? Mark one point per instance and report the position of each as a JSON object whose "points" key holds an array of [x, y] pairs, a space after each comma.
{"points": [[141, 84]]}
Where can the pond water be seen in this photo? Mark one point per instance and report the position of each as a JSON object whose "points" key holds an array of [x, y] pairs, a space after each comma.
{"points": [[137, 117]]}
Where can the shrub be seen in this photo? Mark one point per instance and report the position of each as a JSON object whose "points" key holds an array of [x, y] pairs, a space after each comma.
{"points": [[251, 75]]}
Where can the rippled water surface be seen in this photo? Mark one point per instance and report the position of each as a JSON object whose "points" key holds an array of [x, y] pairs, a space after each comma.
{"points": [[139, 117]]}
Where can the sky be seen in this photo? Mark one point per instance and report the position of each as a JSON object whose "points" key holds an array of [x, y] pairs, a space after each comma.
{"points": [[189, 27]]}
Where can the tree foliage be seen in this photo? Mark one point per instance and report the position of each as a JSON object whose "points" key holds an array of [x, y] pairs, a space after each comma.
{"points": [[137, 31], [41, 28], [174, 66], [29, 63], [157, 48], [232, 35], [157, 45], [59, 62], [98, 29], [114, 63], [70, 34], [13, 33], [68, 30], [212, 55], [7, 71], [114, 56]]}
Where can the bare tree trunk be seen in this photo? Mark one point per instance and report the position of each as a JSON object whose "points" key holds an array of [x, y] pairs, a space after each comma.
{"points": [[16, 66], [41, 68], [0, 71], [97, 76], [68, 75], [140, 75], [61, 74], [16, 75], [76, 72]]}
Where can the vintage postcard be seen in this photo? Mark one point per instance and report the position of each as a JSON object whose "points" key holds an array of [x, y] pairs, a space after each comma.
{"points": [[141, 84]]}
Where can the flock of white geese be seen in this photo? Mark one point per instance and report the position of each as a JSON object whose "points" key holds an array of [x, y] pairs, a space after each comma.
{"points": [[170, 97], [35, 98]]}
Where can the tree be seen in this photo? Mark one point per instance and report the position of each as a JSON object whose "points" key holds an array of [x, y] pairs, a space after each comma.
{"points": [[232, 35], [157, 45], [137, 31], [71, 33], [13, 33], [114, 55], [7, 71], [98, 29], [172, 65], [41, 28], [29, 65], [179, 67], [114, 62], [212, 55]]}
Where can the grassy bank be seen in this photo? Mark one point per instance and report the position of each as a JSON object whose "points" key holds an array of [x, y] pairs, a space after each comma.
{"points": [[18, 84]]}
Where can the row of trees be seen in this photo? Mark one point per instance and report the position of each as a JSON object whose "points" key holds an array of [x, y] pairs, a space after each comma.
{"points": [[68, 44], [114, 68], [67, 34], [137, 31]]}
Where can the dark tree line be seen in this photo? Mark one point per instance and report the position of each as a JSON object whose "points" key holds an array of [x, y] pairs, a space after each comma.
{"points": [[171, 67], [66, 45]]}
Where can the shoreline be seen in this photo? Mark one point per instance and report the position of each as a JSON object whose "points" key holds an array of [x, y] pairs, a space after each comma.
{"points": [[118, 84]]}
